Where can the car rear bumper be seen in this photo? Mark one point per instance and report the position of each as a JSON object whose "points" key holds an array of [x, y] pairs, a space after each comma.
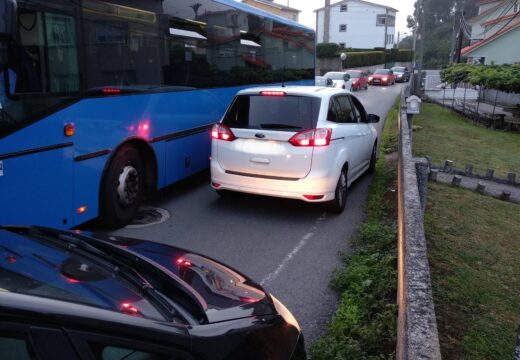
{"points": [[313, 184]]}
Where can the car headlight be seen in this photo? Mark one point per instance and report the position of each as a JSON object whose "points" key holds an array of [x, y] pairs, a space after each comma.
{"points": [[285, 313], [370, 78], [385, 78], [399, 75]]}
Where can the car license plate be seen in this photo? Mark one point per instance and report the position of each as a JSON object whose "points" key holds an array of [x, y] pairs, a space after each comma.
{"points": [[376, 81]]}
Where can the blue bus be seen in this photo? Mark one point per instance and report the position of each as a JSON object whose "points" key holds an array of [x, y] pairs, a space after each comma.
{"points": [[104, 102]]}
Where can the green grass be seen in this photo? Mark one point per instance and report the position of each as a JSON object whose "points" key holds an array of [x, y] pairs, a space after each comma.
{"points": [[364, 326], [474, 253], [444, 135]]}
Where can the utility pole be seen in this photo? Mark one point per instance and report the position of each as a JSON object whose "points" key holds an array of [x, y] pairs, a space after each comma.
{"points": [[420, 35], [460, 35], [326, 22], [398, 38]]}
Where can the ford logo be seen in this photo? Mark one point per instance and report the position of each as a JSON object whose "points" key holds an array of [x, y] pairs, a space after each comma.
{"points": [[260, 136]]}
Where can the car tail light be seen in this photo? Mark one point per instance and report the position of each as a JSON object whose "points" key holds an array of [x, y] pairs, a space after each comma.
{"points": [[217, 185], [318, 137], [313, 197], [222, 132], [69, 129], [272, 93], [111, 91], [127, 308]]}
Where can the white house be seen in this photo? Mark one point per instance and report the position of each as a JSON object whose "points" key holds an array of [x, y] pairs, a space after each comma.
{"points": [[495, 33], [356, 24]]}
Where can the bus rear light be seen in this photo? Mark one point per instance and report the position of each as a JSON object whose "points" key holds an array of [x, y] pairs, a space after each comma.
{"points": [[318, 137], [222, 132], [69, 129], [313, 197], [81, 209], [272, 93]]}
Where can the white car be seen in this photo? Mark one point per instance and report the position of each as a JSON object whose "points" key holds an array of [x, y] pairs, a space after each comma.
{"points": [[340, 79], [307, 143]]}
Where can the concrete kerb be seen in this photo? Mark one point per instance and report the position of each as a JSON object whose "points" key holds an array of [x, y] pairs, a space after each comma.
{"points": [[417, 335]]}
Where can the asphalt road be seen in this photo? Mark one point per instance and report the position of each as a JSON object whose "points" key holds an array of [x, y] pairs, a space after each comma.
{"points": [[290, 247]]}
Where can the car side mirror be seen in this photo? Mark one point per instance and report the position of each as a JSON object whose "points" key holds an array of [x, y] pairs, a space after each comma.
{"points": [[329, 82], [347, 77], [373, 119]]}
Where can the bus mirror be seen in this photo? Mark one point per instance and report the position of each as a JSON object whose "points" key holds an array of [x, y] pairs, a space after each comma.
{"points": [[8, 18]]}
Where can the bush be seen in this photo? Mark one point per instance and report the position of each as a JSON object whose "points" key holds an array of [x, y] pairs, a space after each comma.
{"points": [[325, 50], [404, 55], [367, 58]]}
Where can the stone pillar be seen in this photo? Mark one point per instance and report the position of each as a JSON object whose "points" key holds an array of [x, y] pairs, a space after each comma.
{"points": [[481, 188], [422, 170], [448, 166], [511, 177], [433, 174], [506, 195], [489, 173], [456, 180], [468, 169]]}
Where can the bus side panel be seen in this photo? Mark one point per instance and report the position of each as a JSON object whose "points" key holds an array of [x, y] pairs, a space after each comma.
{"points": [[160, 154], [87, 181], [37, 189], [187, 156]]}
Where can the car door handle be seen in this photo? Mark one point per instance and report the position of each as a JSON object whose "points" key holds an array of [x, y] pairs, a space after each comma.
{"points": [[260, 160]]}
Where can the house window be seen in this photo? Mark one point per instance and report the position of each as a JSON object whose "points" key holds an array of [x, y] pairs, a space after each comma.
{"points": [[343, 8], [342, 45], [343, 28], [382, 19]]}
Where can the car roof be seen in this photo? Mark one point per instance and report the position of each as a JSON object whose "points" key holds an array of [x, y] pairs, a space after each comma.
{"points": [[316, 91]]}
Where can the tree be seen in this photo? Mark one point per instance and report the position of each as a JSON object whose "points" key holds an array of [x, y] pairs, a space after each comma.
{"points": [[406, 43]]}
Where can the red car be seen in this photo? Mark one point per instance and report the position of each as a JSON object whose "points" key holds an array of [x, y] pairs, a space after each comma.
{"points": [[382, 77], [359, 79]]}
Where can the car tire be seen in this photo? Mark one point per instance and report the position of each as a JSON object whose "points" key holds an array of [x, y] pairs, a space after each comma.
{"points": [[373, 160], [337, 205], [366, 87], [122, 187]]}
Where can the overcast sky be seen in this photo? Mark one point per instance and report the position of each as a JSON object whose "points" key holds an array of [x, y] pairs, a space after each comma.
{"points": [[308, 17]]}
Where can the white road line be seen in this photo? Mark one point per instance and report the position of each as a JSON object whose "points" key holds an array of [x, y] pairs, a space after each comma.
{"points": [[273, 275]]}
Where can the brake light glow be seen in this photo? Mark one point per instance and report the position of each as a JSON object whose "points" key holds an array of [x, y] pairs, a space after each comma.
{"points": [[222, 132], [127, 308], [318, 137], [69, 129], [272, 93], [111, 91], [216, 185], [183, 262]]}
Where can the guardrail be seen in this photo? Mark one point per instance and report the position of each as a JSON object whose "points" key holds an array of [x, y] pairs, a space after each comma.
{"points": [[417, 336]]}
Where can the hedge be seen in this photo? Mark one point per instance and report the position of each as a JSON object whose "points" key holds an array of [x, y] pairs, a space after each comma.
{"points": [[504, 77], [367, 58]]}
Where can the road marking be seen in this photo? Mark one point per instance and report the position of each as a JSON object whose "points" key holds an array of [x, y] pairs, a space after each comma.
{"points": [[273, 275]]}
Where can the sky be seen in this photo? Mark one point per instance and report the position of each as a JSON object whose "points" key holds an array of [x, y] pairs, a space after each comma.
{"points": [[308, 17]]}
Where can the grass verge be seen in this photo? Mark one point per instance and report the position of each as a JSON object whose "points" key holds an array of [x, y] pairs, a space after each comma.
{"points": [[364, 326], [473, 253], [445, 135]]}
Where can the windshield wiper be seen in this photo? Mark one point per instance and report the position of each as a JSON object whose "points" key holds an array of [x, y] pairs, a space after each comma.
{"points": [[279, 126], [75, 243]]}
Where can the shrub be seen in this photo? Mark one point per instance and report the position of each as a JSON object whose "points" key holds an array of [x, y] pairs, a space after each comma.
{"points": [[325, 50], [367, 58]]}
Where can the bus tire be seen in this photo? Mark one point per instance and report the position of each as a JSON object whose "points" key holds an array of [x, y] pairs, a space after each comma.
{"points": [[122, 187]]}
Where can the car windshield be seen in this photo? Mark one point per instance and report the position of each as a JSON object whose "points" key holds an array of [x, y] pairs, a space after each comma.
{"points": [[382, 72], [354, 74], [39, 267], [335, 75], [398, 69], [287, 113]]}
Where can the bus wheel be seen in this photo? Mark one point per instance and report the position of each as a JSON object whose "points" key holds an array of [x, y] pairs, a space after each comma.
{"points": [[122, 188]]}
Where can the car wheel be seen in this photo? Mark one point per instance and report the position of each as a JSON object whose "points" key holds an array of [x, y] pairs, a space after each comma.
{"points": [[122, 187], [337, 205], [366, 87], [373, 159]]}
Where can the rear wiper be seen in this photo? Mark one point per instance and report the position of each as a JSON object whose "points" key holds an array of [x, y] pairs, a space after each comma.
{"points": [[75, 242], [279, 126]]}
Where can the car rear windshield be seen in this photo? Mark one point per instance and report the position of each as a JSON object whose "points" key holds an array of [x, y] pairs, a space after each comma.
{"points": [[283, 113], [382, 72], [354, 74], [398, 69]]}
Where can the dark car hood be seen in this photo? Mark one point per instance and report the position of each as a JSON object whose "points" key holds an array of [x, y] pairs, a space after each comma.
{"points": [[224, 292]]}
